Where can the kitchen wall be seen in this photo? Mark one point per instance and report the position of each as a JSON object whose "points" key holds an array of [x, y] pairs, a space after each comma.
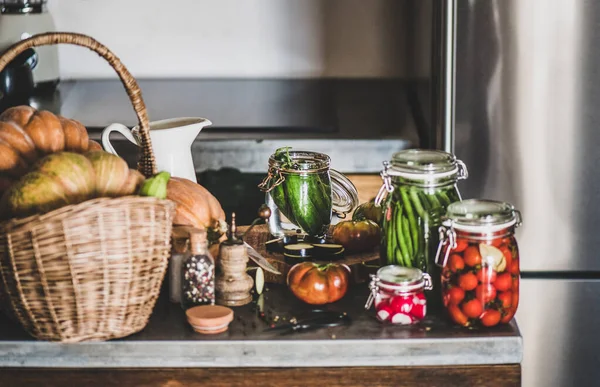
{"points": [[248, 38]]}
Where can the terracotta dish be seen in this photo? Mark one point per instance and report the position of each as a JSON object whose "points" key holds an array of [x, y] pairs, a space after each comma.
{"points": [[209, 319]]}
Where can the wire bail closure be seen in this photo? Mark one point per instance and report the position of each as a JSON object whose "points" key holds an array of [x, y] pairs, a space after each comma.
{"points": [[267, 185], [374, 287], [448, 240], [387, 185]]}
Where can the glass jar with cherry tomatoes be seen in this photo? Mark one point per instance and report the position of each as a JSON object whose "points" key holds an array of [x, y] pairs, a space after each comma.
{"points": [[398, 294], [480, 262]]}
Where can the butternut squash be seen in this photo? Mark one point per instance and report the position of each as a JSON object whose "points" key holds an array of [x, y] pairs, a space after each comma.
{"points": [[65, 178]]}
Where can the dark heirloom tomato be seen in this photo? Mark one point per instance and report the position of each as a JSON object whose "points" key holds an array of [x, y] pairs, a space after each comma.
{"points": [[357, 236], [318, 284]]}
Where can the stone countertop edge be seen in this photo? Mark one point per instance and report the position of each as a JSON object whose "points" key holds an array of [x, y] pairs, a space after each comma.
{"points": [[264, 353]]}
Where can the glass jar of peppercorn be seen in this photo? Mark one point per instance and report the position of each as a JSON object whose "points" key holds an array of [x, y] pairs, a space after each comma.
{"points": [[198, 273], [480, 259]]}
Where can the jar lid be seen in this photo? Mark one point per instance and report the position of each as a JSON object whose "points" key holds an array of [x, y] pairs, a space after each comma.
{"points": [[477, 214], [209, 319], [423, 164], [401, 278], [301, 161]]}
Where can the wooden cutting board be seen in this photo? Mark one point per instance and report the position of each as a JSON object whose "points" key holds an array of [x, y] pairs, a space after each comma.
{"points": [[361, 265]]}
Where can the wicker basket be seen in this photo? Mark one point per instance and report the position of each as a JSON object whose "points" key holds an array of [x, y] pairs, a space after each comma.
{"points": [[90, 271]]}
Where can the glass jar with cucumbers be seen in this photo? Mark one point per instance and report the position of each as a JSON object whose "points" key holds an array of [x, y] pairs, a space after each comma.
{"points": [[418, 185], [303, 193]]}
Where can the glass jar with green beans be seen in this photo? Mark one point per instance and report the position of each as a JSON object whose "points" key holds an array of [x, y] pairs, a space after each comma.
{"points": [[303, 193], [417, 187]]}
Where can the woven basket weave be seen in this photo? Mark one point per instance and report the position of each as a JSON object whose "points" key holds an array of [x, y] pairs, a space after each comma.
{"points": [[90, 271]]}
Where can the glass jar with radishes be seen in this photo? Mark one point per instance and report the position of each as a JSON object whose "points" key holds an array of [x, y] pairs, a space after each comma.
{"points": [[398, 294], [480, 259]]}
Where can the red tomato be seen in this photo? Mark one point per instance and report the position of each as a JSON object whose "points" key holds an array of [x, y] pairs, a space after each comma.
{"points": [[515, 283], [485, 293], [505, 299], [514, 267], [486, 275], [455, 295], [490, 318], [461, 245], [457, 315], [506, 319], [495, 242], [456, 263], [472, 256], [507, 256], [472, 308], [515, 301], [318, 284], [467, 281], [503, 282]]}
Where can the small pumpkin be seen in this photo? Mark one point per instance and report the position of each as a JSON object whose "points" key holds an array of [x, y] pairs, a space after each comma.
{"points": [[195, 205], [26, 135], [65, 178], [318, 284]]}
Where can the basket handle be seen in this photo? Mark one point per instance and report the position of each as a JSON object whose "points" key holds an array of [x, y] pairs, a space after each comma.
{"points": [[147, 163]]}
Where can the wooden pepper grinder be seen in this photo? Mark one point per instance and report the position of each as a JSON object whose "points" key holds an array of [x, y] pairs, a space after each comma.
{"points": [[233, 284]]}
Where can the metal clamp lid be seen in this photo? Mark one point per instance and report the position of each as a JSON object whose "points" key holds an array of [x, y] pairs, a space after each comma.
{"points": [[428, 168]]}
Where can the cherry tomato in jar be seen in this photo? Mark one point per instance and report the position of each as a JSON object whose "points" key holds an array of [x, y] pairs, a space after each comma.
{"points": [[507, 255], [515, 283], [490, 318], [515, 301], [456, 295], [467, 281], [485, 293], [505, 299], [495, 242], [472, 256], [514, 267], [457, 315], [456, 263], [461, 245], [473, 308], [506, 319], [486, 274], [503, 282]]}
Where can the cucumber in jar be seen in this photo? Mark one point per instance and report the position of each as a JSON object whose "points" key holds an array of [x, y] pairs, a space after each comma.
{"points": [[304, 198]]}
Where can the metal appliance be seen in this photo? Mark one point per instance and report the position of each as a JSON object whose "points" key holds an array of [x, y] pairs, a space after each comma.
{"points": [[516, 98], [20, 19]]}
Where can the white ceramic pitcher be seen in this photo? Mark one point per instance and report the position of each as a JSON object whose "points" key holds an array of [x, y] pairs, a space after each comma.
{"points": [[171, 141]]}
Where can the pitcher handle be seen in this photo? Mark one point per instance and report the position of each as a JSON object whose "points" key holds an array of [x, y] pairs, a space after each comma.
{"points": [[125, 131], [344, 194]]}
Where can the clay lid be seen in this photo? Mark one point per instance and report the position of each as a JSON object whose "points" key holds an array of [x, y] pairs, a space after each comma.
{"points": [[209, 319]]}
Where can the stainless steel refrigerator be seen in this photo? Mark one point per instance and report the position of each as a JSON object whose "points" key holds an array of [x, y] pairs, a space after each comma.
{"points": [[517, 99]]}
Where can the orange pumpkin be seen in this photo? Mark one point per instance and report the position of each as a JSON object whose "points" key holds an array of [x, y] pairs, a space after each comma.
{"points": [[26, 135], [195, 205]]}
